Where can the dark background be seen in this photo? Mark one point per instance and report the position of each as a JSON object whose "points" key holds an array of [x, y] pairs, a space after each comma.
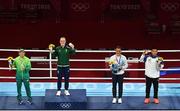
{"points": [[132, 24], [90, 24]]}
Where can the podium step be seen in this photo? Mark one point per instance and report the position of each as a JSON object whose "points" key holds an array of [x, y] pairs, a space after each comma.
{"points": [[77, 99]]}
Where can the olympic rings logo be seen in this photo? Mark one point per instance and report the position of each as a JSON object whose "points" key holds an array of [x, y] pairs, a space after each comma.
{"points": [[65, 105], [170, 6], [80, 7]]}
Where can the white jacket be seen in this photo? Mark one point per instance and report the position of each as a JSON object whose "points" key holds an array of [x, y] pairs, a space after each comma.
{"points": [[122, 63], [152, 65]]}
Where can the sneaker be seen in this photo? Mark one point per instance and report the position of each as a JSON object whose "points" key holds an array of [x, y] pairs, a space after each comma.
{"points": [[20, 102], [119, 100], [29, 102], [156, 101], [58, 93], [66, 92], [147, 101], [114, 100]]}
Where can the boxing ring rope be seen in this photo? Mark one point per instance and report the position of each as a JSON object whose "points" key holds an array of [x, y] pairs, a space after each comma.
{"points": [[103, 60], [87, 69], [91, 78], [50, 60], [87, 60], [90, 51]]}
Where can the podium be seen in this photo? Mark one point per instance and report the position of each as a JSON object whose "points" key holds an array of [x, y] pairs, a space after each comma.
{"points": [[77, 99]]}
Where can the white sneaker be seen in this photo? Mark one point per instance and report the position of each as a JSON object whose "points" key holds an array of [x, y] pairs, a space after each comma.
{"points": [[114, 100], [119, 100], [58, 93], [66, 92]]}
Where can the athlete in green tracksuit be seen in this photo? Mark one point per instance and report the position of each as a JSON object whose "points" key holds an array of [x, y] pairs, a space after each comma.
{"points": [[63, 53], [23, 66]]}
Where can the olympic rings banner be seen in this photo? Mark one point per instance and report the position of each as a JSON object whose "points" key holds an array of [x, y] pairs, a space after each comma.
{"points": [[168, 9], [80, 9], [170, 6], [94, 9]]}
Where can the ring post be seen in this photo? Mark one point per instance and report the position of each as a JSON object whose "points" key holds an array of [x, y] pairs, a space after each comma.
{"points": [[50, 64]]}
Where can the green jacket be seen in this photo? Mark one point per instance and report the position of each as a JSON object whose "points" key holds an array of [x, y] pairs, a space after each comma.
{"points": [[63, 54], [22, 62]]}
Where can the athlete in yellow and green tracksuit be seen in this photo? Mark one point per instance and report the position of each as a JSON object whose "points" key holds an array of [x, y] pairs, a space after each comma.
{"points": [[23, 66]]}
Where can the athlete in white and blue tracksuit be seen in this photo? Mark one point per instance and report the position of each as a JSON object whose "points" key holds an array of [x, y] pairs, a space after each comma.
{"points": [[153, 64], [118, 63]]}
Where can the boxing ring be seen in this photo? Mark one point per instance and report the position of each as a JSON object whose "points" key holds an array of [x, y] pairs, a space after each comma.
{"points": [[98, 94]]}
